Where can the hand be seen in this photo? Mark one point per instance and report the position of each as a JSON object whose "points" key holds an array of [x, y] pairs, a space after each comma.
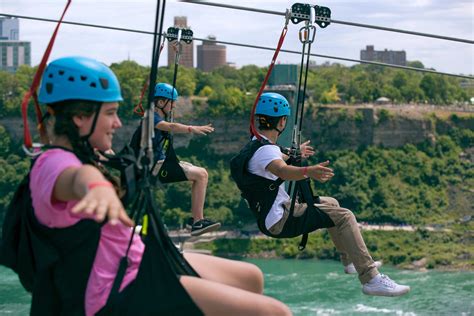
{"points": [[202, 130], [306, 150], [320, 172], [102, 201]]}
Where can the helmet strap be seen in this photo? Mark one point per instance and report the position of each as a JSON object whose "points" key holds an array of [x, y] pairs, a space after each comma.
{"points": [[85, 138], [282, 130], [162, 107]]}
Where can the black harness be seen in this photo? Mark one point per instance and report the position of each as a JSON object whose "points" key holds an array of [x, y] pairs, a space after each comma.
{"points": [[260, 194], [54, 264]]}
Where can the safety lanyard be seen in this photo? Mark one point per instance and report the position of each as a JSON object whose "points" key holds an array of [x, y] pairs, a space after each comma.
{"points": [[253, 130], [32, 92], [138, 109], [176, 36]]}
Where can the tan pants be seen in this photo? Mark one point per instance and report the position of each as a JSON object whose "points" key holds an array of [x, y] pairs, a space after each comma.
{"points": [[345, 235]]}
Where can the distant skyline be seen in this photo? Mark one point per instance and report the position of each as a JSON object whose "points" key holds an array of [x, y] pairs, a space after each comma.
{"points": [[448, 18]]}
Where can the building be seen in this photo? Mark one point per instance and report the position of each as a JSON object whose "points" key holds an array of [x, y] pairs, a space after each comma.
{"points": [[384, 56], [210, 55], [13, 52], [187, 53], [283, 74], [9, 29]]}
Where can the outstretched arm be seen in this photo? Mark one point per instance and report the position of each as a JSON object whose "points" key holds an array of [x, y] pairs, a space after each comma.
{"points": [[95, 194], [182, 128], [318, 172]]}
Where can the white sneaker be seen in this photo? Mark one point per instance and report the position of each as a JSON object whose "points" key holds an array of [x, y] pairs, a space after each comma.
{"points": [[382, 285], [350, 269]]}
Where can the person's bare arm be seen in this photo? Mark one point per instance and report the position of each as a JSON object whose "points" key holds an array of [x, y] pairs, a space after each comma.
{"points": [[319, 172], [182, 128], [88, 185]]}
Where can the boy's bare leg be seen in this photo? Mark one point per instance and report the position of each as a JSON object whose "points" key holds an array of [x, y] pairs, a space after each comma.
{"points": [[199, 177]]}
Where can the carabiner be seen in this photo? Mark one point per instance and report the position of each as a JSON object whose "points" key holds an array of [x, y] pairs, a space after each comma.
{"points": [[34, 151], [307, 34]]}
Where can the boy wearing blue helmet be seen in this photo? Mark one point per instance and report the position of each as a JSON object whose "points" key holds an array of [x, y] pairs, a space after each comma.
{"points": [[165, 97], [261, 163]]}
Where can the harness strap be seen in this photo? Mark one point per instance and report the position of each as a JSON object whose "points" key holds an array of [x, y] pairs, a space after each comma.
{"points": [[28, 143], [253, 130]]}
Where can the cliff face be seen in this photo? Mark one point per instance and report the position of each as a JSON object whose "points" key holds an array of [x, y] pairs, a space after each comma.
{"points": [[326, 127]]}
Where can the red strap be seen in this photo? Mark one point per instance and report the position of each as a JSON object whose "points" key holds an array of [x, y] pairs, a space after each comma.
{"points": [[34, 86], [253, 130], [138, 109]]}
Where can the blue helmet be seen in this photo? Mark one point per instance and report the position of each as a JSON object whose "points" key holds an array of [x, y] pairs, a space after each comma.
{"points": [[164, 90], [273, 104], [79, 78]]}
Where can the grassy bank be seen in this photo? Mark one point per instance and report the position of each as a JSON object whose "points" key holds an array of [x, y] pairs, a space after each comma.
{"points": [[420, 249]]}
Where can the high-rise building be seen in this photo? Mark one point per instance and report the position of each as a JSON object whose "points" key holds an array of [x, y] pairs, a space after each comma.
{"points": [[210, 55], [13, 52], [187, 52], [9, 29], [384, 56]]}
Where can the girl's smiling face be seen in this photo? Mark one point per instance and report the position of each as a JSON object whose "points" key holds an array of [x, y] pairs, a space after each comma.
{"points": [[107, 122]]}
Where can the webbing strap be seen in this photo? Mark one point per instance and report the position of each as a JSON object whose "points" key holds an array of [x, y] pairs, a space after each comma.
{"points": [[138, 109], [253, 130], [34, 86]]}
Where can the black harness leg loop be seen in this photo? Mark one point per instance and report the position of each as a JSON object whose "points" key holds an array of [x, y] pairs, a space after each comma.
{"points": [[304, 240]]}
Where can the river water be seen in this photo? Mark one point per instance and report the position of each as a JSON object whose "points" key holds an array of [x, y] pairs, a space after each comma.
{"points": [[315, 287]]}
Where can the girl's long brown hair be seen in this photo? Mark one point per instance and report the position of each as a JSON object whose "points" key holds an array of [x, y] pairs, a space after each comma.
{"points": [[63, 113]]}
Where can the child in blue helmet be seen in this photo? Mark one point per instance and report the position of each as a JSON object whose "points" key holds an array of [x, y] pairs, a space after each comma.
{"points": [[165, 97], [265, 163], [78, 226]]}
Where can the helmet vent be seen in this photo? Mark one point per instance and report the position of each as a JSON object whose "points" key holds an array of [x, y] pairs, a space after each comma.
{"points": [[83, 78], [104, 83], [49, 88], [61, 72], [93, 85], [50, 76], [275, 109], [71, 78]]}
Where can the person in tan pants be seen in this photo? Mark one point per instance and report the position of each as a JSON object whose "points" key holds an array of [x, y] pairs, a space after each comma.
{"points": [[267, 162]]}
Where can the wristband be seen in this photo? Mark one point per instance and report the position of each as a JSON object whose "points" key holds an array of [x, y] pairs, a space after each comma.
{"points": [[94, 184], [189, 129], [305, 172]]}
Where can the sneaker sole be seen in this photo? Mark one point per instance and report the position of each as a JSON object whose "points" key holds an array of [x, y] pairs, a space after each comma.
{"points": [[376, 293], [206, 229]]}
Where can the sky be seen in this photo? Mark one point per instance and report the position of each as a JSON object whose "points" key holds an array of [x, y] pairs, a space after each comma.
{"points": [[453, 18]]}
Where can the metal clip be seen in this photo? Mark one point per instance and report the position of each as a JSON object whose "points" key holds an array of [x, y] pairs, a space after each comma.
{"points": [[34, 151], [307, 34], [287, 17]]}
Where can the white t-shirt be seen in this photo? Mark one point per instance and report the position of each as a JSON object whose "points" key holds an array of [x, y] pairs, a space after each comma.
{"points": [[257, 165]]}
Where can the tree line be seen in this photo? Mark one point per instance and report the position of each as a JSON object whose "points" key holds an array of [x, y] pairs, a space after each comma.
{"points": [[231, 91]]}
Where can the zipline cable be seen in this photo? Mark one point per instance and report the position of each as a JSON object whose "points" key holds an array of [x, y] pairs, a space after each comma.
{"points": [[382, 28], [247, 46]]}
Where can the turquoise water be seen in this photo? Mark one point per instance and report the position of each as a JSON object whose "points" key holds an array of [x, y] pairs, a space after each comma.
{"points": [[312, 287]]}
